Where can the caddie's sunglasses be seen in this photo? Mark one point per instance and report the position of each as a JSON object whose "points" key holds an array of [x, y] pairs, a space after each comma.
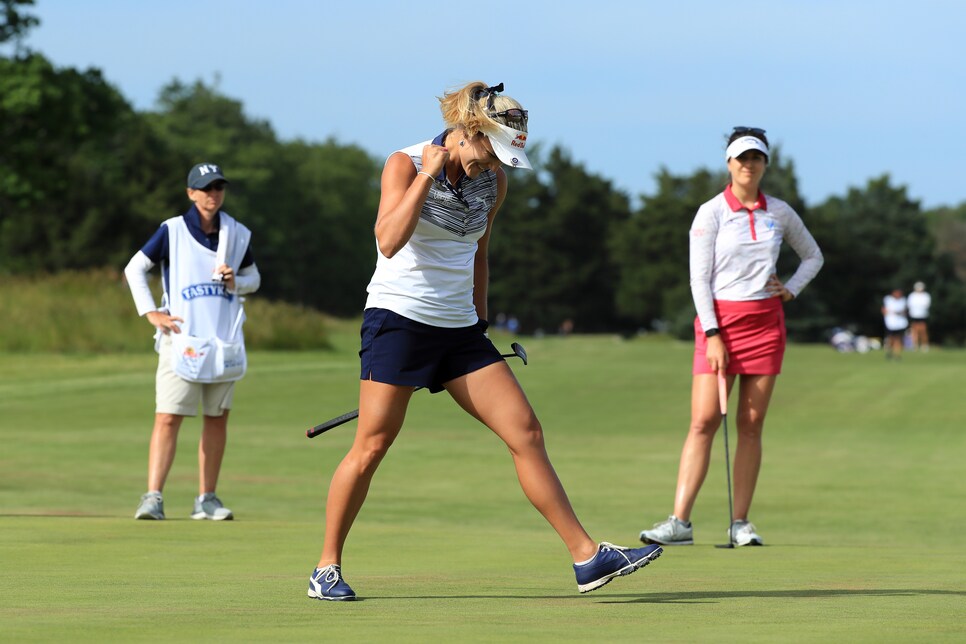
{"points": [[754, 131], [217, 186]]}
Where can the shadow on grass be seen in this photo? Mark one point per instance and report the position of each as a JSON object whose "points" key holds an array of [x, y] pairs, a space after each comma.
{"points": [[57, 515], [710, 596], [702, 597]]}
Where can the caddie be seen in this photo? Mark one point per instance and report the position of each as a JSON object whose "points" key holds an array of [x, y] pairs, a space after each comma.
{"points": [[206, 266]]}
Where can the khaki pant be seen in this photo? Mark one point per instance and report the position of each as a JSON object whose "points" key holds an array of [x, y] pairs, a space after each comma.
{"points": [[175, 395]]}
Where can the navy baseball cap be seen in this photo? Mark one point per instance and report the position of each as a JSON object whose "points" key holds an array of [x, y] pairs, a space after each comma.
{"points": [[204, 174]]}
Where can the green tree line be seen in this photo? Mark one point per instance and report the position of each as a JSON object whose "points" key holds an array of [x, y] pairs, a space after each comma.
{"points": [[85, 179]]}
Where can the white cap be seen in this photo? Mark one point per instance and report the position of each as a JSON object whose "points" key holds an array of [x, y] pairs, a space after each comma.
{"points": [[744, 144], [508, 145]]}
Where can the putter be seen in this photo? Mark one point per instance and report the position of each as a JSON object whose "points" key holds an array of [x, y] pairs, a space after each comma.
{"points": [[518, 352], [723, 400]]}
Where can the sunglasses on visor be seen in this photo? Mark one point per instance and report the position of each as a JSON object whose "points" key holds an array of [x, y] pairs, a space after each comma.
{"points": [[754, 131], [514, 113], [513, 117]]}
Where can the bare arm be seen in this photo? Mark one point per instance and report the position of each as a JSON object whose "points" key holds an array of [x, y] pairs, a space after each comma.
{"points": [[403, 194], [481, 265]]}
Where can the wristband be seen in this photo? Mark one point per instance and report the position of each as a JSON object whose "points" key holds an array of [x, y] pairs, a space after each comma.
{"points": [[431, 177], [710, 333]]}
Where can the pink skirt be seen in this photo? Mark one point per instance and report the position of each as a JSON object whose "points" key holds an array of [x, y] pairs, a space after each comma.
{"points": [[753, 333]]}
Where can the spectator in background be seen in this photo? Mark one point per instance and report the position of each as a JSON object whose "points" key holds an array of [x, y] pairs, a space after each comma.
{"points": [[843, 340], [567, 327], [896, 323], [918, 304]]}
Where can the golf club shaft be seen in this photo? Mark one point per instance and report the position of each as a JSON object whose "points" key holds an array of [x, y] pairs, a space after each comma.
{"points": [[518, 352], [723, 400]]}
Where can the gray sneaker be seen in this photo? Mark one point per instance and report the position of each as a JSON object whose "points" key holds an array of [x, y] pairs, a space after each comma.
{"points": [[151, 507], [743, 533], [672, 532], [208, 506]]}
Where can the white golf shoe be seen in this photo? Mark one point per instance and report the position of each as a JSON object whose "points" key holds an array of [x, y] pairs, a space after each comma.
{"points": [[672, 532], [743, 533], [208, 506], [151, 507]]}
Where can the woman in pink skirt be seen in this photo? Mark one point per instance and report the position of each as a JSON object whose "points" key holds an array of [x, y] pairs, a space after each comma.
{"points": [[740, 327]]}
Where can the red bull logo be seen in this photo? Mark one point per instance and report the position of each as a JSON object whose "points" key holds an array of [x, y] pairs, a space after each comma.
{"points": [[520, 141]]}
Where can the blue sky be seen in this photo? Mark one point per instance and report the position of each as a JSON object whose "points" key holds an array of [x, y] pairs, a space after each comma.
{"points": [[851, 89]]}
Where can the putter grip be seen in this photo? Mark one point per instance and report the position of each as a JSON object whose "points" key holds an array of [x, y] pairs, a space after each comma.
{"points": [[329, 424], [723, 393]]}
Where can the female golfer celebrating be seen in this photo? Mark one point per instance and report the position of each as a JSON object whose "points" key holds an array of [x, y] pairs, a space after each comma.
{"points": [[425, 323], [740, 326]]}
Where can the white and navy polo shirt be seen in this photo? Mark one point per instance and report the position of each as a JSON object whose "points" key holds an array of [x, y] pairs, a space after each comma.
{"points": [[157, 249], [430, 279]]}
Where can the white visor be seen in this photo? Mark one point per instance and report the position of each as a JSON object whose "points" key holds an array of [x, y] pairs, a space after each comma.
{"points": [[508, 145], [744, 144]]}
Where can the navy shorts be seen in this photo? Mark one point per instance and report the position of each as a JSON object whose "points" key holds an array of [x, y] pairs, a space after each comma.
{"points": [[399, 351]]}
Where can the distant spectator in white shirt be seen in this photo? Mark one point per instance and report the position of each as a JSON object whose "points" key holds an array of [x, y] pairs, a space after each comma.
{"points": [[896, 322], [918, 304]]}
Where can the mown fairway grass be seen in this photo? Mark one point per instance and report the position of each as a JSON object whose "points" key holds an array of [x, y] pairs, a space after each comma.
{"points": [[860, 501]]}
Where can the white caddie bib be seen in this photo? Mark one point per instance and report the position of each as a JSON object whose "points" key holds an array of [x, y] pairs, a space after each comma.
{"points": [[211, 345]]}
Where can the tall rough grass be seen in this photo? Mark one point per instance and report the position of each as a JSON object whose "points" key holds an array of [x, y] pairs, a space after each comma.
{"points": [[93, 312]]}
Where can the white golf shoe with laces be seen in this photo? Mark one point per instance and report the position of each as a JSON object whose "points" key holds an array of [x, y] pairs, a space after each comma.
{"points": [[672, 532], [743, 533]]}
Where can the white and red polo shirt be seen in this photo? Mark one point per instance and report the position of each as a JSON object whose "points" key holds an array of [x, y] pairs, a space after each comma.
{"points": [[734, 250]]}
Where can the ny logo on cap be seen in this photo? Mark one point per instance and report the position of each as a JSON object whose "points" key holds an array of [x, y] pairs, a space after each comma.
{"points": [[205, 169]]}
